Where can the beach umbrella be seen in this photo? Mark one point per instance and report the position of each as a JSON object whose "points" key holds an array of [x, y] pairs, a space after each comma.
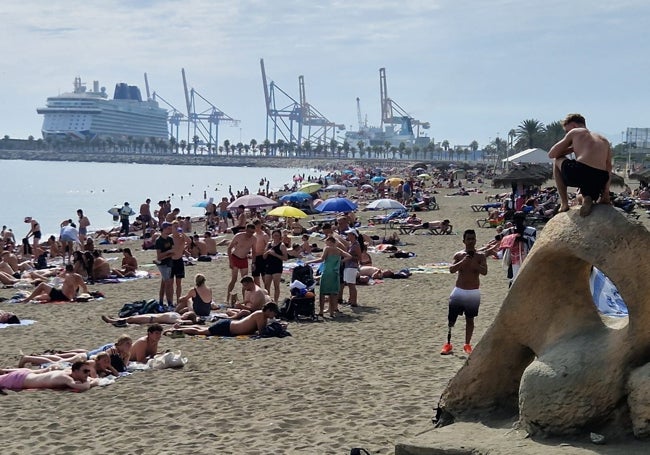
{"points": [[385, 204], [417, 166], [203, 204], [367, 188], [394, 181], [354, 178], [252, 201], [616, 180], [378, 179], [336, 188], [348, 171], [424, 176], [525, 174], [298, 196], [310, 187], [286, 211], [336, 204]]}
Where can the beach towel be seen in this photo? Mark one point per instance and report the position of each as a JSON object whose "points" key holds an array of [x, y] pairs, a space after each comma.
{"points": [[438, 267], [606, 297], [23, 322], [139, 274]]}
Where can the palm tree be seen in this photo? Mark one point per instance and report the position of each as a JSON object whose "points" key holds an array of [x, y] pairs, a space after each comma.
{"points": [[529, 133], [183, 144], [554, 132], [226, 146], [253, 146]]}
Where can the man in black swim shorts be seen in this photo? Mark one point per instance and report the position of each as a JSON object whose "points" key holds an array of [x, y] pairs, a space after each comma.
{"points": [[590, 171]]}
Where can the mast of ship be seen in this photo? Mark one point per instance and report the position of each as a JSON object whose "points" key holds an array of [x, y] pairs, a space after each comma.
{"points": [[146, 86]]}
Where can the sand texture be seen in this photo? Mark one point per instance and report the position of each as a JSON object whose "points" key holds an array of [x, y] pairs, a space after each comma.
{"points": [[369, 378]]}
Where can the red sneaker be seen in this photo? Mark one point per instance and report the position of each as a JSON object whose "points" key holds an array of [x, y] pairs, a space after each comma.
{"points": [[446, 349], [467, 348]]}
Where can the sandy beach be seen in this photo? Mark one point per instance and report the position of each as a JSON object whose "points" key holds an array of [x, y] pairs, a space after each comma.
{"points": [[369, 379]]}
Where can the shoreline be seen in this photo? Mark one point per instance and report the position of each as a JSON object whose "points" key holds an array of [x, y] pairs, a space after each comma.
{"points": [[198, 160]]}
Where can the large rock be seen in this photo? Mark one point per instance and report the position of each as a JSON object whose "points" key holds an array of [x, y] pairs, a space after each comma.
{"points": [[549, 355]]}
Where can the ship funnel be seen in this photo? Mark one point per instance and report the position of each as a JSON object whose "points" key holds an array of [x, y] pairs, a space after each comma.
{"points": [[96, 86]]}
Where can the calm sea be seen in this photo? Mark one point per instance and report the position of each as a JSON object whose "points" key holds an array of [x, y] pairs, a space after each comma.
{"points": [[51, 191]]}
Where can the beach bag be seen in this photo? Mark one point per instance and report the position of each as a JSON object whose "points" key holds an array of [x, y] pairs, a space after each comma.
{"points": [[167, 360], [204, 258], [274, 329], [287, 310]]}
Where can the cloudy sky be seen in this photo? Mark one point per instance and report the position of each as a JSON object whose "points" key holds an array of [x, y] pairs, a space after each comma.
{"points": [[473, 69]]}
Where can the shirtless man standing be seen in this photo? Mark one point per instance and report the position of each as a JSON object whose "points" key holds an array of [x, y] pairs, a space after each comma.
{"points": [[24, 378], [259, 247], [589, 171], [34, 231], [71, 284], [238, 249], [145, 214], [146, 347], [178, 251], [84, 222], [465, 297], [251, 324]]}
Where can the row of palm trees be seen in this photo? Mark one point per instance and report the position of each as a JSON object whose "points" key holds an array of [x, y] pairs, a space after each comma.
{"points": [[530, 133]]}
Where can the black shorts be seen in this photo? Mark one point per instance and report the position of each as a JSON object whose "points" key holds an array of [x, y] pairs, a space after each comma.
{"points": [[178, 268], [37, 234], [463, 301], [258, 265], [57, 296], [591, 181], [220, 328], [237, 229]]}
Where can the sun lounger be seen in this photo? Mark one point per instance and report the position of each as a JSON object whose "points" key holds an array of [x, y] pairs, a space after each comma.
{"points": [[484, 207]]}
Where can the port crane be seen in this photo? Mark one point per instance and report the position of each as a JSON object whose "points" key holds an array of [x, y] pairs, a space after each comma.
{"points": [[393, 114], [291, 120], [200, 123]]}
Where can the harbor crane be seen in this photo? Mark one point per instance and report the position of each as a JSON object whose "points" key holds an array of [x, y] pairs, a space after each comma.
{"points": [[311, 118], [200, 123], [291, 120], [392, 113]]}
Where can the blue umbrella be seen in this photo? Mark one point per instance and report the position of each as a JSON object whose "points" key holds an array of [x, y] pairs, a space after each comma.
{"points": [[378, 179], [336, 204], [200, 204], [298, 196], [348, 171]]}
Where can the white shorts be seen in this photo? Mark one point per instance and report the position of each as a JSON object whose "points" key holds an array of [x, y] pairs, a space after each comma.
{"points": [[350, 275]]}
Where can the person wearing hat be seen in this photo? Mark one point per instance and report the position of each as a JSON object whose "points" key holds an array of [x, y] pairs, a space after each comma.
{"points": [[125, 212]]}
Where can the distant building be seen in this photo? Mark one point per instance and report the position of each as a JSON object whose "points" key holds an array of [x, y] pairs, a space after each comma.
{"points": [[638, 140]]}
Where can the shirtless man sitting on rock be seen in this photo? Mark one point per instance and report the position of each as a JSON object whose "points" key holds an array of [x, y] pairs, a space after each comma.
{"points": [[24, 378], [68, 292], [251, 324], [590, 169]]}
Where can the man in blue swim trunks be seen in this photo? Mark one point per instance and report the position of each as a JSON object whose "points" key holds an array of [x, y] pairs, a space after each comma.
{"points": [[589, 171], [254, 322], [466, 296]]}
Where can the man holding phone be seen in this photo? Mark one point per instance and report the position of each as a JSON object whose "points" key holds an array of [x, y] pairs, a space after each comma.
{"points": [[465, 298]]}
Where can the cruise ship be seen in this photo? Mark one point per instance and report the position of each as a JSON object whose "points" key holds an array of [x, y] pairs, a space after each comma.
{"points": [[89, 114]]}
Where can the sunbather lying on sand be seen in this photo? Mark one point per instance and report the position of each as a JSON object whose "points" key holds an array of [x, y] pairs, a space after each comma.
{"points": [[100, 365], [77, 378], [251, 324], [170, 317]]}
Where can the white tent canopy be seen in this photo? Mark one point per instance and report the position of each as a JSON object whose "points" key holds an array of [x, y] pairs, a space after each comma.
{"points": [[534, 155]]}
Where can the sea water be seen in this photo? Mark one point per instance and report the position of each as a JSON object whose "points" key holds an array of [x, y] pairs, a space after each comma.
{"points": [[52, 191]]}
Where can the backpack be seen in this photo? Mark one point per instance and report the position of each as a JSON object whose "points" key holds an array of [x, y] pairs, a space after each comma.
{"points": [[304, 274]]}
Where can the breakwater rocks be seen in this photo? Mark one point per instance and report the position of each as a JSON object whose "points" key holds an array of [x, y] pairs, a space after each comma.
{"points": [[191, 159]]}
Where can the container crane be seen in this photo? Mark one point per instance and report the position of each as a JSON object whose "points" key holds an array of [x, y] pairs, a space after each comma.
{"points": [[393, 114]]}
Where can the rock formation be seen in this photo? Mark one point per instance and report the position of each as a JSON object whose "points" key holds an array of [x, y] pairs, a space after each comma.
{"points": [[549, 356]]}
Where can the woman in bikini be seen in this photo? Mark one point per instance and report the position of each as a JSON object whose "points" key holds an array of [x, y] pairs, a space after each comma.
{"points": [[198, 300]]}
